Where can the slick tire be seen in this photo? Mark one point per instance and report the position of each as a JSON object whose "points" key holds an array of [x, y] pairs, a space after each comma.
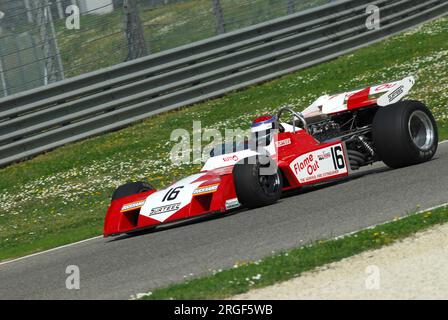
{"points": [[257, 183], [131, 188], [404, 134]]}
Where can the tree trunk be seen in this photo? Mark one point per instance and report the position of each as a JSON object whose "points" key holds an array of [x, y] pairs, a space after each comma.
{"points": [[291, 7], [135, 36], [217, 11]]}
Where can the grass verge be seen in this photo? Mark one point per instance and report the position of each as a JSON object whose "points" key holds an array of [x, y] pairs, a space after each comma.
{"points": [[62, 196], [290, 264]]}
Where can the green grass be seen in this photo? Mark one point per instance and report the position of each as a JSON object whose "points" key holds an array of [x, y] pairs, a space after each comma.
{"points": [[100, 41], [62, 196], [289, 264]]}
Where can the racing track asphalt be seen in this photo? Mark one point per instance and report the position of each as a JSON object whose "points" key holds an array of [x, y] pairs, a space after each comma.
{"points": [[119, 268]]}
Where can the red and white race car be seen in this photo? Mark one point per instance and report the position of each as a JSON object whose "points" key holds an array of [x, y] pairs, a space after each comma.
{"points": [[335, 135]]}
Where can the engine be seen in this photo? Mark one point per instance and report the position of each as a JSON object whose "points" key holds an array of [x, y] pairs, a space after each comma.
{"points": [[325, 130]]}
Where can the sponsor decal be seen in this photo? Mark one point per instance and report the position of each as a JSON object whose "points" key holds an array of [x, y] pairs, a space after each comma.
{"points": [[133, 206], [386, 86], [396, 93], [206, 189], [320, 164], [165, 209], [231, 158], [324, 155], [232, 203], [308, 165], [283, 143]]}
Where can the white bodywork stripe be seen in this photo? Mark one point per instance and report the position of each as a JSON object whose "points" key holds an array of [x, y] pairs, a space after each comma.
{"points": [[161, 199]]}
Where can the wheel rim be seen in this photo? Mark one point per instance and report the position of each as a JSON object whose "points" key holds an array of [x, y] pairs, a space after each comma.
{"points": [[421, 130], [270, 184]]}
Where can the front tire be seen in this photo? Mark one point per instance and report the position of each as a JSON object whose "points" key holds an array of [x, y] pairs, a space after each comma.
{"points": [[404, 134], [130, 189], [255, 188]]}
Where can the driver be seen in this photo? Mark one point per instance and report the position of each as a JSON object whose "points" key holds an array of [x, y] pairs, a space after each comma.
{"points": [[263, 129]]}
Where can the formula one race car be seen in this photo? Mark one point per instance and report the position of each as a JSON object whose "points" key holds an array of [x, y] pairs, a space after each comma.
{"points": [[329, 139]]}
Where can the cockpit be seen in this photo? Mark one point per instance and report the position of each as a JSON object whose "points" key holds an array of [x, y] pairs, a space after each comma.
{"points": [[263, 130]]}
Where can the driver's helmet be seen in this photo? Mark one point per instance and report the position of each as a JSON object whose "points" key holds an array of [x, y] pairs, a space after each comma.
{"points": [[263, 129]]}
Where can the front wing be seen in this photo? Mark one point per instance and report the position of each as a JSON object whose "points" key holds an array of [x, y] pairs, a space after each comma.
{"points": [[197, 195]]}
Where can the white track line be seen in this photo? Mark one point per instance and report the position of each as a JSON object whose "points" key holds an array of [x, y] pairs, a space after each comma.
{"points": [[98, 237], [50, 250]]}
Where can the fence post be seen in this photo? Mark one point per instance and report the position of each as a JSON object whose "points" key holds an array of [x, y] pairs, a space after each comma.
{"points": [[54, 43], [135, 36], [52, 58], [217, 11], [20, 62], [291, 7], [3, 78], [60, 9], [29, 10], [4, 90], [38, 63]]}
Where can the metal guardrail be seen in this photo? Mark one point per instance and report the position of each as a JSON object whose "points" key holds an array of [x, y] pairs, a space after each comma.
{"points": [[45, 118]]}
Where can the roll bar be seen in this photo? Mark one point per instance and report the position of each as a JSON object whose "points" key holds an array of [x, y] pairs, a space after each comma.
{"points": [[294, 115]]}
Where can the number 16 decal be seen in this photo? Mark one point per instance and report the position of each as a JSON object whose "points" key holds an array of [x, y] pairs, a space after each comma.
{"points": [[172, 194], [338, 157]]}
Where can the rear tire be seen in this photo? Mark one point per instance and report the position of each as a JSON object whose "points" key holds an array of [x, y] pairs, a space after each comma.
{"points": [[253, 188], [130, 189], [405, 134]]}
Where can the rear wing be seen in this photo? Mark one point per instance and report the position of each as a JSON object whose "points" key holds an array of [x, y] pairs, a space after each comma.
{"points": [[382, 95]]}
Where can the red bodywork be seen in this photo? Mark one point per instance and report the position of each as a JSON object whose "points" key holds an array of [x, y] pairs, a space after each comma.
{"points": [[290, 146], [118, 222]]}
